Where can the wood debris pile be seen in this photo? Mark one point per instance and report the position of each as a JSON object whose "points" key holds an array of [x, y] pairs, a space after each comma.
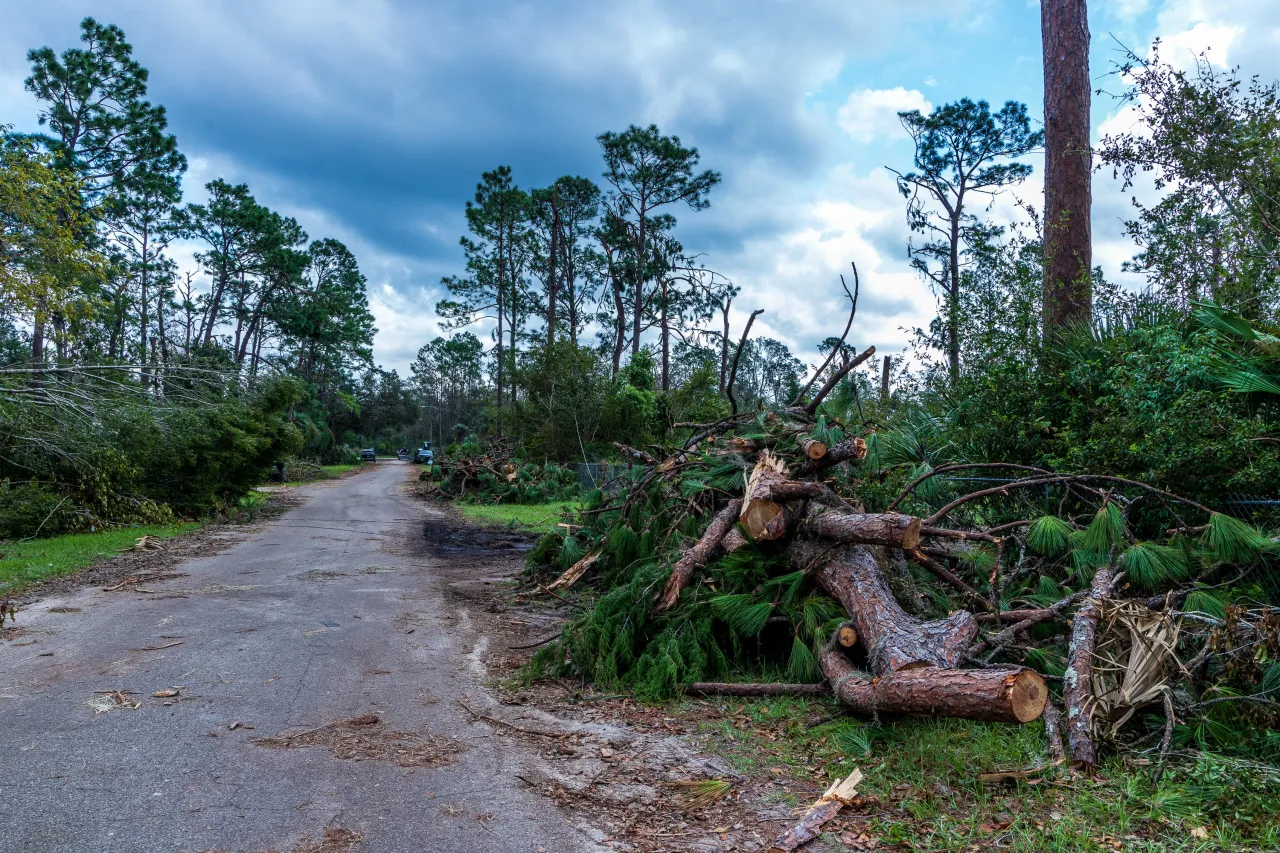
{"points": [[782, 544]]}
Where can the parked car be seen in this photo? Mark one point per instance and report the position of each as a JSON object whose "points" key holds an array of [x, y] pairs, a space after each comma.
{"points": [[424, 455], [403, 455], [368, 455]]}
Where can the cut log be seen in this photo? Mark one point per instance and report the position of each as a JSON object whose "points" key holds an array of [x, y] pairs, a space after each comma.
{"points": [[841, 793], [573, 573], [696, 557], [768, 488], [847, 636], [893, 529], [893, 640], [718, 688], [812, 448], [750, 445], [1077, 681], [847, 450], [1013, 695]]}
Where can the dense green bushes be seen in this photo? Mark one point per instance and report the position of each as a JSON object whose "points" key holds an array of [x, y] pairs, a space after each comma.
{"points": [[99, 451]]}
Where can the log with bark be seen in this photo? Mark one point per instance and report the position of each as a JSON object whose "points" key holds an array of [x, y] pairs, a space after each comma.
{"points": [[721, 688], [763, 514], [696, 557], [1077, 682], [841, 793], [998, 695]]}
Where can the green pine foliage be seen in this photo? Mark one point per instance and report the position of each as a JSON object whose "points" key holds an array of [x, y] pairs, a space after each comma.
{"points": [[1151, 566], [1047, 536], [1229, 540]]}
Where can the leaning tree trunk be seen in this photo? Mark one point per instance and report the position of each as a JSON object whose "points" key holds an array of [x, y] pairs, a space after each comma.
{"points": [[892, 639]]}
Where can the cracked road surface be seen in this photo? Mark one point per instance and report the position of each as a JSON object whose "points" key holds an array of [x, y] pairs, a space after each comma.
{"points": [[328, 613]]}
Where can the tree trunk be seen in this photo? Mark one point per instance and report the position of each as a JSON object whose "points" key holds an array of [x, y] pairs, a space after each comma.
{"points": [[724, 344], [812, 448], [763, 514], [1067, 162], [637, 319], [143, 319], [953, 299], [666, 338], [37, 336], [891, 529], [553, 281], [893, 640], [621, 333], [1077, 682], [696, 557], [848, 450], [1012, 695]]}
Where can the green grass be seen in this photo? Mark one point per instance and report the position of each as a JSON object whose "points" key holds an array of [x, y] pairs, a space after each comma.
{"points": [[25, 563], [532, 517], [924, 773]]}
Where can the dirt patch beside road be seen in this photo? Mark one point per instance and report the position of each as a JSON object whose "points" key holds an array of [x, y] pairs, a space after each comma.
{"points": [[639, 771]]}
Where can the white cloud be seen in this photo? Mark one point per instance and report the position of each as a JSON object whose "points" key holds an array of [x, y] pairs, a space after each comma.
{"points": [[869, 114]]}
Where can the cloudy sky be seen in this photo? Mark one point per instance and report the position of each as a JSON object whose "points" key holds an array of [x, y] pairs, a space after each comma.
{"points": [[371, 120]]}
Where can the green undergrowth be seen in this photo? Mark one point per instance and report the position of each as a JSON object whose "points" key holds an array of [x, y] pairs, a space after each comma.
{"points": [[924, 772], [537, 518], [25, 563]]}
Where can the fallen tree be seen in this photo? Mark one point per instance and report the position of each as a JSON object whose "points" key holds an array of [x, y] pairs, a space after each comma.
{"points": [[774, 541]]}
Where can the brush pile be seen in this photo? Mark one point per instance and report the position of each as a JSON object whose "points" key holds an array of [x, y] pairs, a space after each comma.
{"points": [[780, 545], [495, 476]]}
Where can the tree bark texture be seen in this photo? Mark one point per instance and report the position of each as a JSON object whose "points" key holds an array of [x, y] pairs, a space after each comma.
{"points": [[893, 640], [1067, 162], [1012, 695], [1077, 682], [696, 557], [893, 529]]}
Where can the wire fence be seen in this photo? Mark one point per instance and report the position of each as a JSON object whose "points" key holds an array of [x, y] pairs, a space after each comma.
{"points": [[609, 478]]}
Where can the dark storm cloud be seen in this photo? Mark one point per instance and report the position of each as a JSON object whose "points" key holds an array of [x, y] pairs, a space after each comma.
{"points": [[376, 119]]}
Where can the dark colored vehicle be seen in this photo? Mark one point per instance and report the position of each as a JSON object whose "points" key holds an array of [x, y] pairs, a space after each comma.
{"points": [[403, 454], [424, 455], [368, 455]]}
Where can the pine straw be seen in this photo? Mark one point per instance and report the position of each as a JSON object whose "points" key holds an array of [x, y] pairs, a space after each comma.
{"points": [[363, 739]]}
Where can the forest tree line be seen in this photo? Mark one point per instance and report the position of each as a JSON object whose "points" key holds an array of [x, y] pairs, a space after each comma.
{"points": [[127, 376]]}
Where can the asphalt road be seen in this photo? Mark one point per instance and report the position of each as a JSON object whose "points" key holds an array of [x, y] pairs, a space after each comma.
{"points": [[329, 612]]}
